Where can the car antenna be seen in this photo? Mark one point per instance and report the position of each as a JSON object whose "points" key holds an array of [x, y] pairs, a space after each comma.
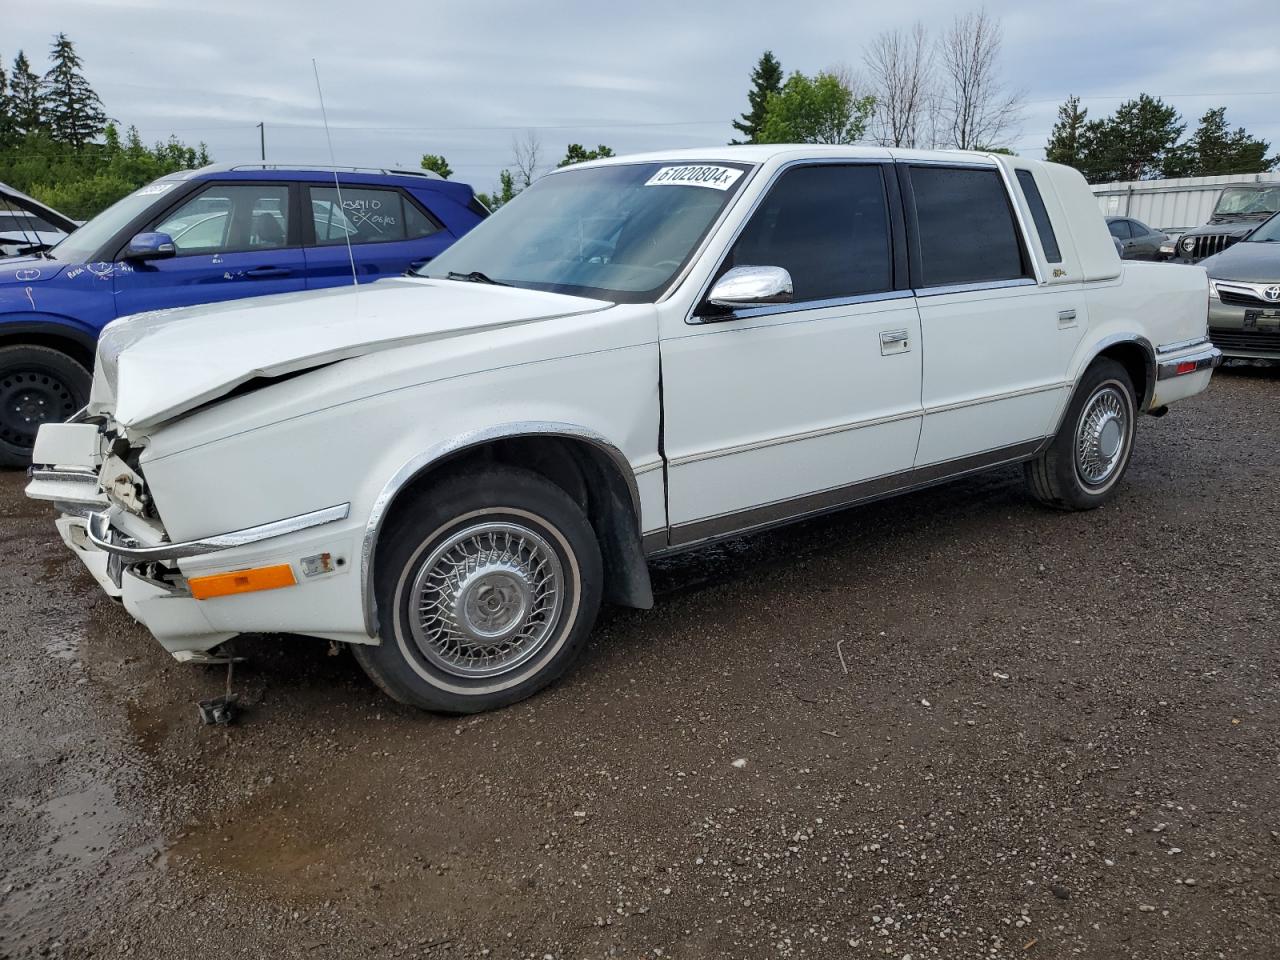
{"points": [[336, 186]]}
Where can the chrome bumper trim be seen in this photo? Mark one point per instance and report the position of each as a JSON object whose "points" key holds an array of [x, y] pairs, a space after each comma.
{"points": [[1168, 369], [101, 533], [1183, 345]]}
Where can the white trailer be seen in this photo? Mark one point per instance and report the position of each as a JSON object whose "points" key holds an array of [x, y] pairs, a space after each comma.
{"points": [[1170, 205]]}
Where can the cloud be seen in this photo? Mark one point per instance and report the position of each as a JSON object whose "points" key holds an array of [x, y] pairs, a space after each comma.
{"points": [[403, 77]]}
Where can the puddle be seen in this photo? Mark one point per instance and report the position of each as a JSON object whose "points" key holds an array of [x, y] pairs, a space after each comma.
{"points": [[80, 839]]}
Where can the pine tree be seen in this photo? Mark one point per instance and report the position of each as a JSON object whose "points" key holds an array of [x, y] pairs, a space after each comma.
{"points": [[74, 112], [1134, 143], [766, 79], [1065, 141], [24, 97], [1215, 150], [6, 110]]}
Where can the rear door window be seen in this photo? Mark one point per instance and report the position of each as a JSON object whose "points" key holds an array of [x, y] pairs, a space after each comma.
{"points": [[826, 225], [365, 215], [965, 230], [1119, 229]]}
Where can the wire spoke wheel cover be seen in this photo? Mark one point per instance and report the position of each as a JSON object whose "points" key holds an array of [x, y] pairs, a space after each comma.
{"points": [[486, 600], [1103, 435]]}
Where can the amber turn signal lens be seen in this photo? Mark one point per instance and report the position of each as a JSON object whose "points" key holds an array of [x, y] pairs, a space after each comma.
{"points": [[241, 581]]}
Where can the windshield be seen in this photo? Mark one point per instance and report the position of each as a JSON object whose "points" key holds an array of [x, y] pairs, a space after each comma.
{"points": [[1269, 232], [1237, 201], [618, 232], [85, 243]]}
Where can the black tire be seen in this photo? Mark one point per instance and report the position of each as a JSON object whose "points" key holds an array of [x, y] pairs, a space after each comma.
{"points": [[37, 385], [429, 654], [1066, 474]]}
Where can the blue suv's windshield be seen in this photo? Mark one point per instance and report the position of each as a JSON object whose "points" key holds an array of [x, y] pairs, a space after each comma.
{"points": [[618, 232], [87, 241]]}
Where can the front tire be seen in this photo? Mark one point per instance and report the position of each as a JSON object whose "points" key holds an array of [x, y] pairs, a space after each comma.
{"points": [[487, 585], [1086, 459], [37, 385]]}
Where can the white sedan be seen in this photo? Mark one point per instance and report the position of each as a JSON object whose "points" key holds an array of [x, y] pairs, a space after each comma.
{"points": [[451, 471]]}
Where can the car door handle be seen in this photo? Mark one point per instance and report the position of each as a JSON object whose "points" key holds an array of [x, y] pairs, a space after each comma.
{"points": [[894, 341], [266, 273], [1066, 318]]}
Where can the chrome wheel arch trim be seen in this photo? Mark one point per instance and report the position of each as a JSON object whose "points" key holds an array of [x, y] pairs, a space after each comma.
{"points": [[458, 444], [1143, 402]]}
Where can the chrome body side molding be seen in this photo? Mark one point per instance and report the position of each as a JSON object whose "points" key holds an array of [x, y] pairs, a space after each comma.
{"points": [[698, 532]]}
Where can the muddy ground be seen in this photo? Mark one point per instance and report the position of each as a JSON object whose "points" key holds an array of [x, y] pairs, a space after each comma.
{"points": [[1058, 736]]}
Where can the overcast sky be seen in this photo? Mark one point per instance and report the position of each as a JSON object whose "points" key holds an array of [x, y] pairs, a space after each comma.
{"points": [[402, 78]]}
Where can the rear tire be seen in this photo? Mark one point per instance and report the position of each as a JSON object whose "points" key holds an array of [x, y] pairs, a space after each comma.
{"points": [[1083, 464], [37, 385], [488, 585]]}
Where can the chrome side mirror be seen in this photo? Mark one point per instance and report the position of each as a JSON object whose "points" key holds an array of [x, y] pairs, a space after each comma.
{"points": [[751, 287]]}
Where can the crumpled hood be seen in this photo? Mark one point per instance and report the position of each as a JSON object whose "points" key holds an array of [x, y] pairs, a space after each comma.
{"points": [[154, 366], [1252, 262]]}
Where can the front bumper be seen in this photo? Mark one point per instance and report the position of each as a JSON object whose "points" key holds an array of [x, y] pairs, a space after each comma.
{"points": [[1245, 332], [133, 560]]}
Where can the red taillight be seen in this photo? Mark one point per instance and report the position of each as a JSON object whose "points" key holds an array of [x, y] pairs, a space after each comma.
{"points": [[1186, 366]]}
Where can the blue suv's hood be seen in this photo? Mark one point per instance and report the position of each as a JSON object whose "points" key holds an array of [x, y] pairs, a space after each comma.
{"points": [[28, 270]]}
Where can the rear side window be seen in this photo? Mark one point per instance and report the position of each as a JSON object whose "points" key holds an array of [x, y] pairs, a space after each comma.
{"points": [[1119, 229], [365, 216], [1040, 216], [828, 226], [964, 227]]}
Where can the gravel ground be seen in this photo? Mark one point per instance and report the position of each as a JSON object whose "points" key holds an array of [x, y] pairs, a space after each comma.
{"points": [[1057, 736]]}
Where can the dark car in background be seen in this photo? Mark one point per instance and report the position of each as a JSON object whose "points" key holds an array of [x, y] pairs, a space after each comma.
{"points": [[1134, 239], [222, 232], [1239, 210], [27, 225], [1244, 295]]}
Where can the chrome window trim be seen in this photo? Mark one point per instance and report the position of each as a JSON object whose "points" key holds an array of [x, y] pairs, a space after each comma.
{"points": [[99, 530], [416, 464], [798, 305], [1013, 196], [974, 287], [772, 309]]}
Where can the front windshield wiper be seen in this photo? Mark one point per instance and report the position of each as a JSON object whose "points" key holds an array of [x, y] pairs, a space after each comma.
{"points": [[475, 276]]}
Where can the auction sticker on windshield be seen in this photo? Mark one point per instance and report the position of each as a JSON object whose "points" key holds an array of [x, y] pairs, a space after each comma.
{"points": [[700, 175]]}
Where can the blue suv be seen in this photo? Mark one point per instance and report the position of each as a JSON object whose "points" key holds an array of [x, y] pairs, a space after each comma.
{"points": [[218, 233]]}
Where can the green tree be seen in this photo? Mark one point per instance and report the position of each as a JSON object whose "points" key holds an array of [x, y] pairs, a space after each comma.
{"points": [[6, 109], [25, 104], [1064, 144], [577, 153], [504, 193], [72, 109], [766, 80], [818, 110], [1215, 150], [437, 164], [1132, 144]]}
